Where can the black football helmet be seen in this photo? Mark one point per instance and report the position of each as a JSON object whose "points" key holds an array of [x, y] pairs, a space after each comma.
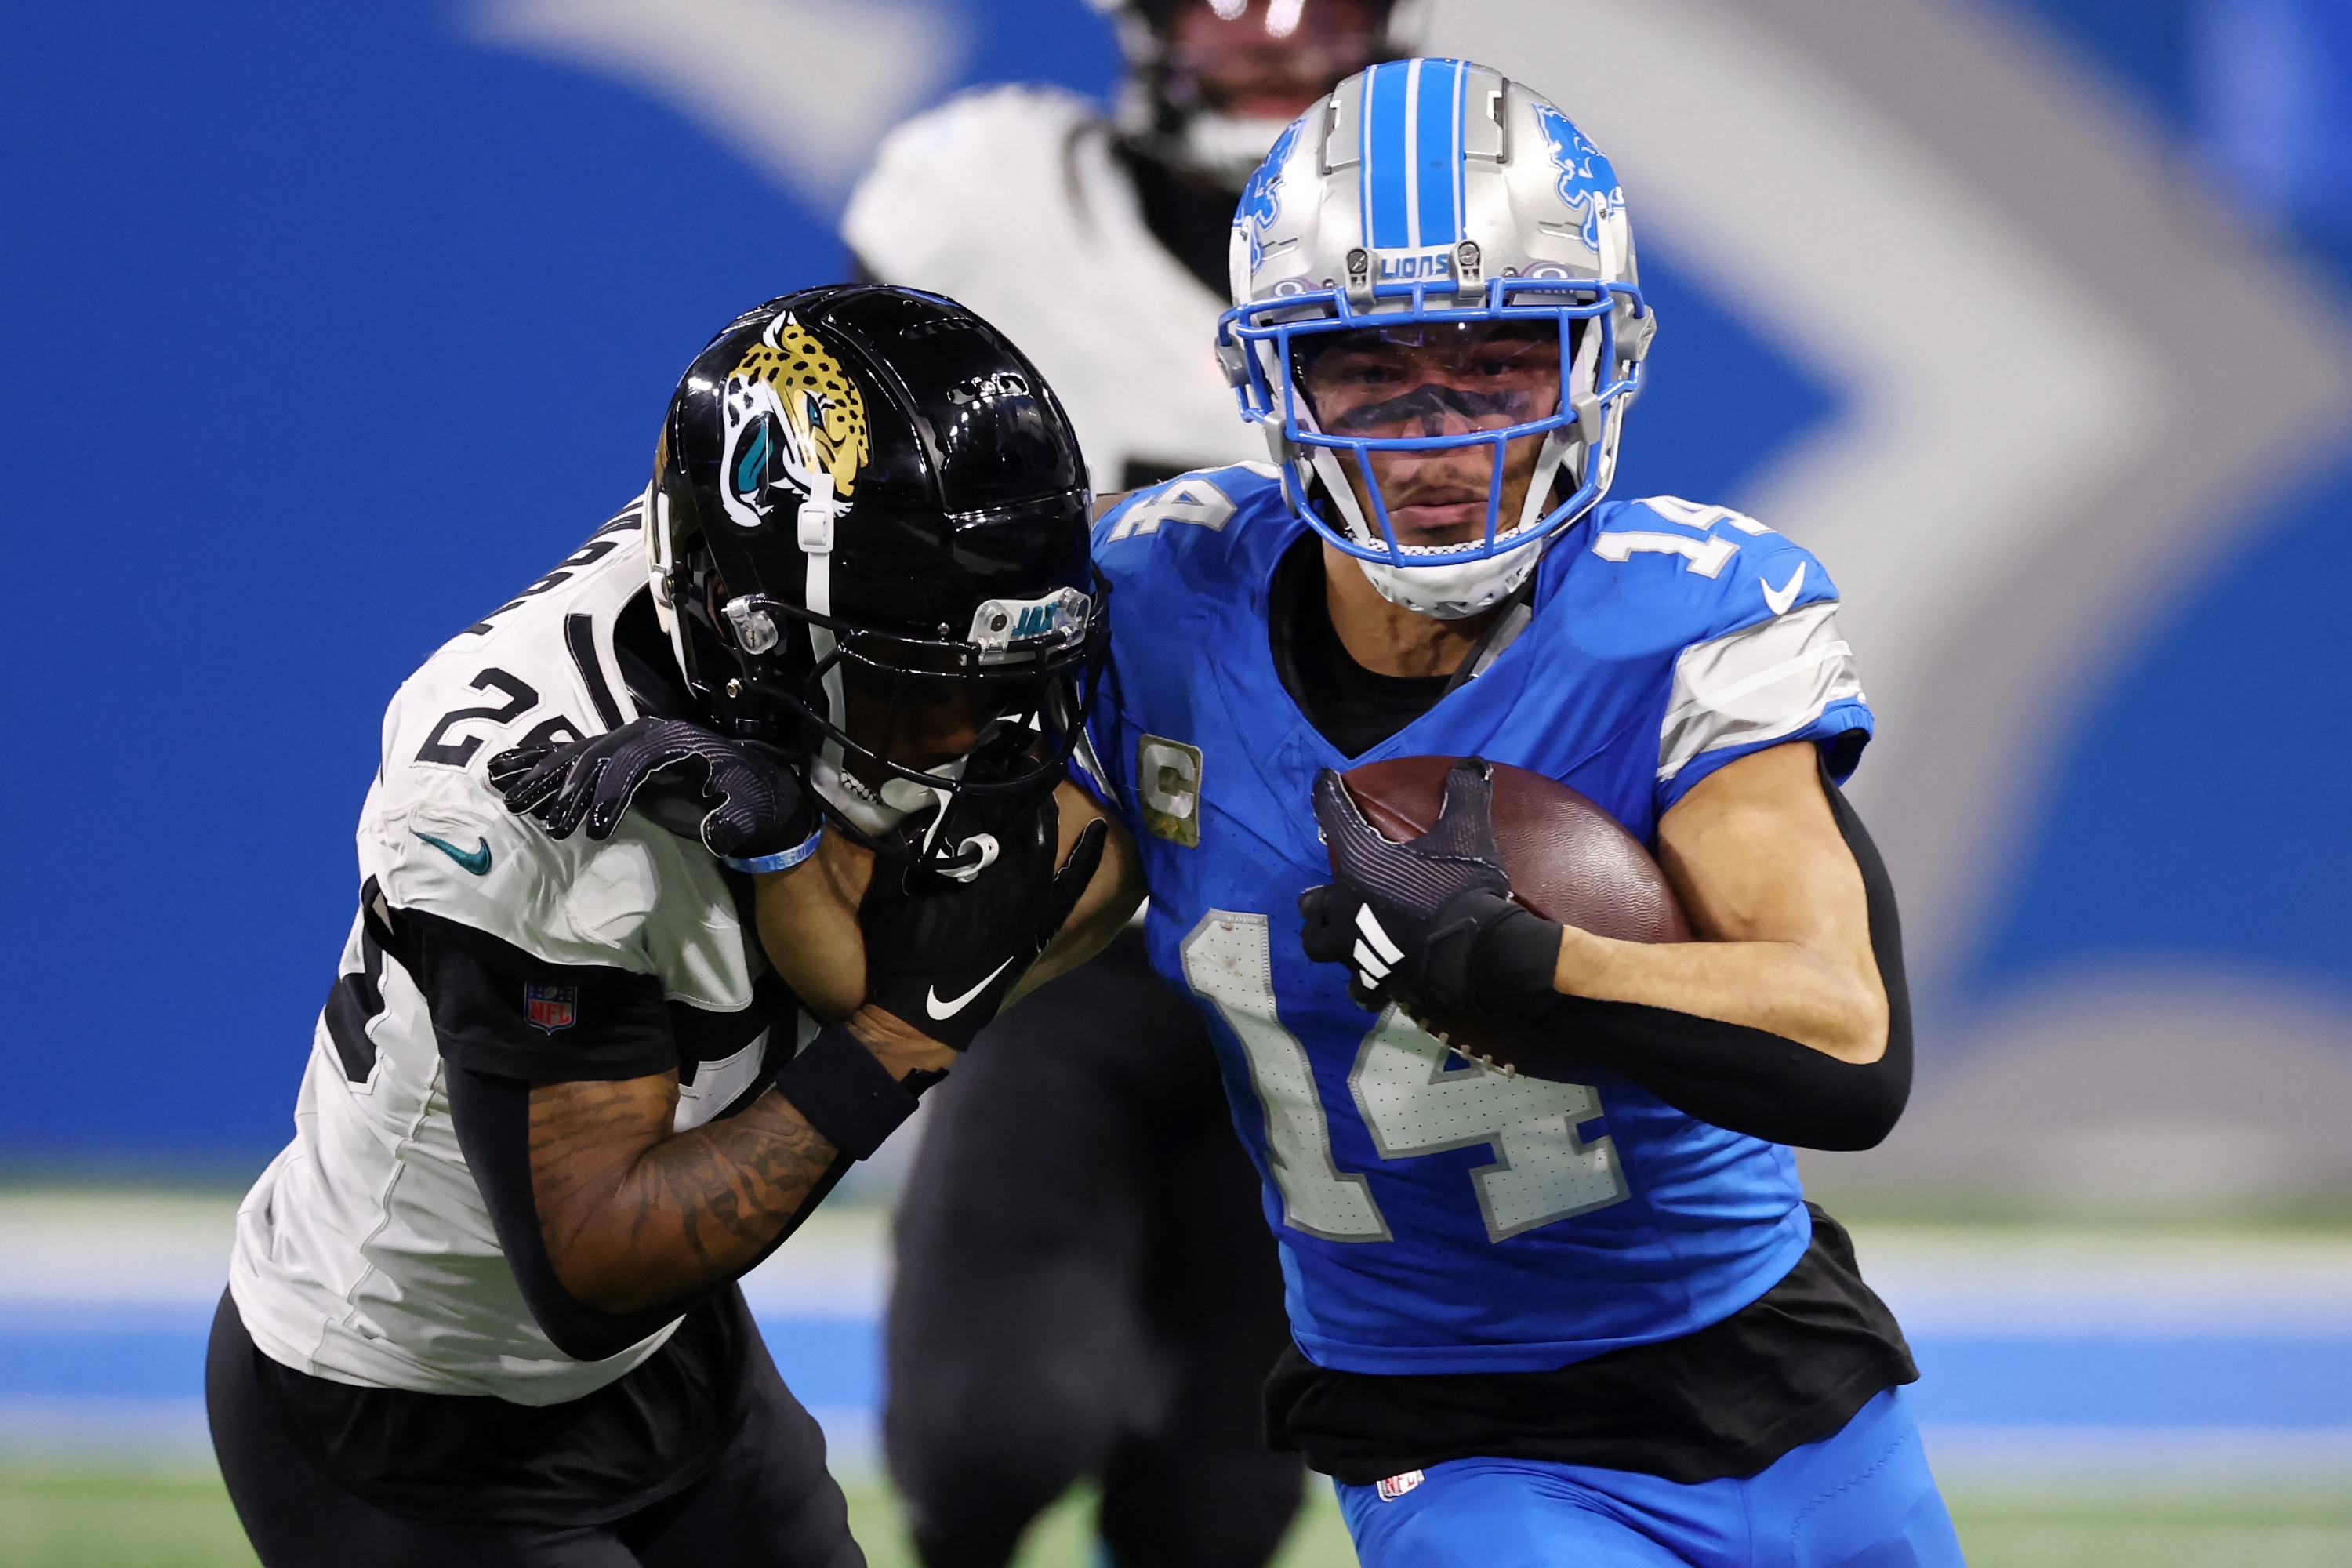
{"points": [[868, 504]]}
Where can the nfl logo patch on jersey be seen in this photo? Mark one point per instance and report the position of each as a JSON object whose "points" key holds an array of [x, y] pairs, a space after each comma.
{"points": [[551, 1008], [1395, 1487]]}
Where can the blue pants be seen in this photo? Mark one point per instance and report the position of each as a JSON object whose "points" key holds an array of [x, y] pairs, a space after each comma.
{"points": [[1860, 1499]]}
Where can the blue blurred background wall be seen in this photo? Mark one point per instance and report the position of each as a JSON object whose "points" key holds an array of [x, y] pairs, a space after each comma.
{"points": [[322, 329]]}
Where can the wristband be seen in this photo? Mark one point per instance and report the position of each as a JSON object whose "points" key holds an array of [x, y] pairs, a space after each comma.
{"points": [[845, 1092], [782, 860], [1518, 957]]}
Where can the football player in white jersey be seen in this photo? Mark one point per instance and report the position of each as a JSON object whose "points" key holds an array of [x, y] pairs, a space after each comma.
{"points": [[568, 1086], [1083, 1286]]}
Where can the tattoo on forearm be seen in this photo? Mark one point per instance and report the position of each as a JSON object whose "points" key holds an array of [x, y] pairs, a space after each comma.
{"points": [[622, 1198]]}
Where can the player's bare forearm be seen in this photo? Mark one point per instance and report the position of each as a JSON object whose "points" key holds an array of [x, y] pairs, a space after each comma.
{"points": [[633, 1215], [1770, 887], [632, 1219], [808, 926]]}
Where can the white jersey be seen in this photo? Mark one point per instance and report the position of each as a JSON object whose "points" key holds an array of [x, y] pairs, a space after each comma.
{"points": [[365, 1254], [1013, 201]]}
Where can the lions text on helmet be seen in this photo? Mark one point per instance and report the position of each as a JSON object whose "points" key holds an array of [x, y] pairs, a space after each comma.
{"points": [[1438, 325], [883, 574]]}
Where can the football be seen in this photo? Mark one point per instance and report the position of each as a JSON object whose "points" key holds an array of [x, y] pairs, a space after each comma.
{"points": [[1568, 861]]}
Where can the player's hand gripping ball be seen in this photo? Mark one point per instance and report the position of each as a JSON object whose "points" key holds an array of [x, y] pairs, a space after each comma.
{"points": [[1451, 882], [1408, 919], [738, 798], [942, 953]]}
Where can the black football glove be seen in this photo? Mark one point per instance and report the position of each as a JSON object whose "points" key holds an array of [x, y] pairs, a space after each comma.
{"points": [[1428, 924], [740, 800], [941, 955]]}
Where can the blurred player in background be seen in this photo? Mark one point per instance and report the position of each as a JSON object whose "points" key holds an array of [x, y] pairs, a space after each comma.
{"points": [[1083, 1287], [568, 1087], [1536, 1321]]}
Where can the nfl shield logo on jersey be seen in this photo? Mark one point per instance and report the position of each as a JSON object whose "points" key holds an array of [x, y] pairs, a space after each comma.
{"points": [[551, 1007], [1395, 1487]]}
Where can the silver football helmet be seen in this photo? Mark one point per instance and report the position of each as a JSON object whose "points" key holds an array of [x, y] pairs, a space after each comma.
{"points": [[1435, 208]]}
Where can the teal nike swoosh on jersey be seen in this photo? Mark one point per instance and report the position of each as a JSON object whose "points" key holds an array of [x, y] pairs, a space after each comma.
{"points": [[478, 861]]}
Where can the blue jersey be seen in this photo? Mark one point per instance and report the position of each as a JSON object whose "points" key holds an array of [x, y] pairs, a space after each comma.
{"points": [[1434, 1217]]}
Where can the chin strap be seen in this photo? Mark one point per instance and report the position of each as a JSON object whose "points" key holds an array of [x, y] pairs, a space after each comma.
{"points": [[661, 561], [880, 813], [817, 515], [1324, 464]]}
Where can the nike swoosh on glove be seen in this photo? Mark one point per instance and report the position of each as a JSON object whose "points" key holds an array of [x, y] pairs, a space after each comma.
{"points": [[738, 799], [1428, 922], [941, 956]]}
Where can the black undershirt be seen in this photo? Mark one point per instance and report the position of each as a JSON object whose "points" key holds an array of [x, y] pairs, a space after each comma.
{"points": [[1790, 1368], [1354, 707]]}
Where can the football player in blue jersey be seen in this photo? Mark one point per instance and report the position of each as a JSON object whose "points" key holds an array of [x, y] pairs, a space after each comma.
{"points": [[1082, 1288], [1535, 1321]]}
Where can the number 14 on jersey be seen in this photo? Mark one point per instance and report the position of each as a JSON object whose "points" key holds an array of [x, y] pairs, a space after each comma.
{"points": [[1415, 1099]]}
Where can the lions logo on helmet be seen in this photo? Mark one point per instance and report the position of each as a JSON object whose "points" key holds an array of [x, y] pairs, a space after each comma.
{"points": [[1261, 199], [1586, 178], [796, 427]]}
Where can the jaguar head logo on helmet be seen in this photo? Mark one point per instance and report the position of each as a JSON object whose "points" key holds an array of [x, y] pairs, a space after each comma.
{"points": [[1438, 324], [795, 424], [883, 572]]}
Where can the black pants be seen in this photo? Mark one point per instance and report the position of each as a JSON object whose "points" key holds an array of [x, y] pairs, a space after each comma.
{"points": [[1086, 1287], [768, 1501]]}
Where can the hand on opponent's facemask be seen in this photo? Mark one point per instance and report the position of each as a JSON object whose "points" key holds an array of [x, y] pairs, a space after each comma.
{"points": [[942, 952], [741, 800]]}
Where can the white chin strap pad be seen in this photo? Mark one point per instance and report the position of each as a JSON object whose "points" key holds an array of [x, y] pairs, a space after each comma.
{"points": [[1456, 590], [877, 810], [1449, 590]]}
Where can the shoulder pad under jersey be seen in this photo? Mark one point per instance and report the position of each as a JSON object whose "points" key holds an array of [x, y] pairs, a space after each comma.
{"points": [[1209, 513], [953, 177], [1747, 617], [1672, 572], [435, 835]]}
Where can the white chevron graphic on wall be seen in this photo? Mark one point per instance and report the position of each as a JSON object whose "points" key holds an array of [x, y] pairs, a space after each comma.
{"points": [[804, 88]]}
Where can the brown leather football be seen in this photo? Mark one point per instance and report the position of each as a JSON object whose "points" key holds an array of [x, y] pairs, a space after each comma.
{"points": [[1568, 861]]}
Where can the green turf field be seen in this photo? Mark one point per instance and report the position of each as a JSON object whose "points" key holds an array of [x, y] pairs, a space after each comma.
{"points": [[97, 1520]]}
